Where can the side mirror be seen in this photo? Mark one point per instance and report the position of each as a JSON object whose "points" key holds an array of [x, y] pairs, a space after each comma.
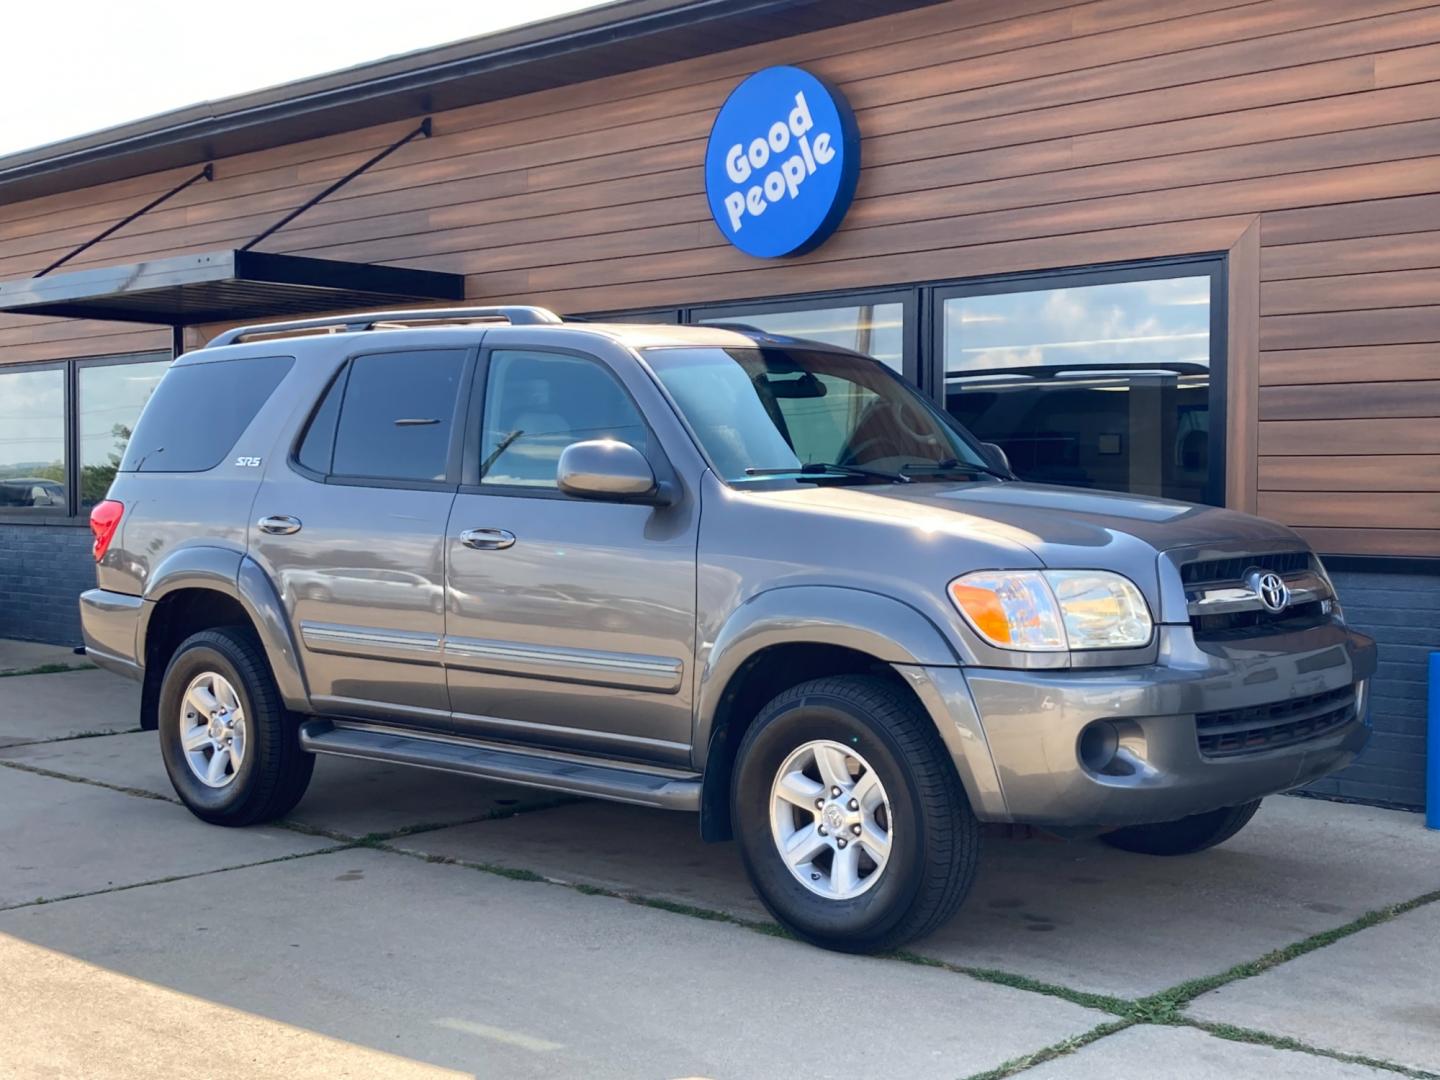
{"points": [[606, 469], [996, 458]]}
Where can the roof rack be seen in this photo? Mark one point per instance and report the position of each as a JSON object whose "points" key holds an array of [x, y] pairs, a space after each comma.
{"points": [[389, 320]]}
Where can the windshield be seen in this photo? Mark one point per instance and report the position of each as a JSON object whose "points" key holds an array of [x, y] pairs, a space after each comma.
{"points": [[820, 416]]}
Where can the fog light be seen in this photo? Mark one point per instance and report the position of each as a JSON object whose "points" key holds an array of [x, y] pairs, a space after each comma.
{"points": [[1099, 743]]}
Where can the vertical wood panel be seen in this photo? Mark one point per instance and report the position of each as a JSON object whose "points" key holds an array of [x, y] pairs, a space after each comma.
{"points": [[1242, 374]]}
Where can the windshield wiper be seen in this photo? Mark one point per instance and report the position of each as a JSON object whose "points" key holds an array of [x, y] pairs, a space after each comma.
{"points": [[827, 468], [952, 465]]}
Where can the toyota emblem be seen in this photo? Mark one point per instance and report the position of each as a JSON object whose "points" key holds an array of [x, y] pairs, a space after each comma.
{"points": [[1270, 587]]}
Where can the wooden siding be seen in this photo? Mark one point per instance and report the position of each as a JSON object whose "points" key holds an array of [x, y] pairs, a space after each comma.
{"points": [[1302, 139]]}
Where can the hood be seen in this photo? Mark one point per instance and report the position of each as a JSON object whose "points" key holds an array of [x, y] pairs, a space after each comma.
{"points": [[1019, 524]]}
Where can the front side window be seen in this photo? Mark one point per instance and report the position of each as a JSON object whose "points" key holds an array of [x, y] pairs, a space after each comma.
{"points": [[1101, 385], [810, 416], [537, 404], [397, 415], [110, 398], [32, 440]]}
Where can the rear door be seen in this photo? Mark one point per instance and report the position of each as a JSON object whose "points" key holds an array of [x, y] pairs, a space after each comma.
{"points": [[352, 530], [571, 622]]}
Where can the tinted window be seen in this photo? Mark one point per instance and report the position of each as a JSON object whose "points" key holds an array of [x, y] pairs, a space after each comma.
{"points": [[319, 442], [396, 418], [32, 440], [110, 400], [198, 412], [537, 404]]}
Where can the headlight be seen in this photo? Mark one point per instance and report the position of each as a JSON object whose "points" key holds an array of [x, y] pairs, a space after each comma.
{"points": [[1332, 607], [1053, 610]]}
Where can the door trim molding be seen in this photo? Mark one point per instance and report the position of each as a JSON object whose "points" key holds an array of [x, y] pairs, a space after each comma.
{"points": [[631, 671]]}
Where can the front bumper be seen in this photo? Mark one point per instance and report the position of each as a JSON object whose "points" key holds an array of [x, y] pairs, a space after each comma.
{"points": [[1033, 721], [109, 622]]}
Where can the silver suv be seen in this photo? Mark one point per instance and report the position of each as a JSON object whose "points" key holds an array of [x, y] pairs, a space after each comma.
{"points": [[706, 569]]}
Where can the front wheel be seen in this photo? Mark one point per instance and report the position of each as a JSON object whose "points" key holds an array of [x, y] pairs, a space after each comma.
{"points": [[1186, 836], [851, 820]]}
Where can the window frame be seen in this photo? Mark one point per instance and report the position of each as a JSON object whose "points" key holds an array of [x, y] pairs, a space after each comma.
{"points": [[341, 379], [924, 362], [1212, 266], [470, 478], [73, 515]]}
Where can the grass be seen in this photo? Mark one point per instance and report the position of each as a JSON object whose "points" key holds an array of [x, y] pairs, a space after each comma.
{"points": [[46, 669]]}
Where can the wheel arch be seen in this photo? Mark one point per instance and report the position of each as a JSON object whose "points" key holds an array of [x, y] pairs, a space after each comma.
{"points": [[787, 636], [200, 587]]}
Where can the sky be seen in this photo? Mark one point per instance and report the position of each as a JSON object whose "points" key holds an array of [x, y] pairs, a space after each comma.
{"points": [[75, 66]]}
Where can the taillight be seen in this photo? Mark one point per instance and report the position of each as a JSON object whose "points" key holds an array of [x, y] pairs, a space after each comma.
{"points": [[104, 520]]}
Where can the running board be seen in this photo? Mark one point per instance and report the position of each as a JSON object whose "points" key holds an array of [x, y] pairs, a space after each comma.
{"points": [[601, 781]]}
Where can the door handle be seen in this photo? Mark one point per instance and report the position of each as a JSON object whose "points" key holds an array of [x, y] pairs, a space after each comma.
{"points": [[280, 525], [487, 539]]}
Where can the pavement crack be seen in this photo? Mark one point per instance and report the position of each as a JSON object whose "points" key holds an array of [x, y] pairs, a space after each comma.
{"points": [[1284, 1042], [1050, 1053], [139, 793], [1165, 1007], [44, 900], [71, 738]]}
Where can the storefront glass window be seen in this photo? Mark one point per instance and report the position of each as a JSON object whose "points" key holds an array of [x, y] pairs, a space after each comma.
{"points": [[877, 330], [32, 441], [109, 400], [1101, 385]]}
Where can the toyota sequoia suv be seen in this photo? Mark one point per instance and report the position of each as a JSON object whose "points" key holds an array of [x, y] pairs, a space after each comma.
{"points": [[700, 568]]}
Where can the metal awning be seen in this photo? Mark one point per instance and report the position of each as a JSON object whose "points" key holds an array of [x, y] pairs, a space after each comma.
{"points": [[224, 286]]}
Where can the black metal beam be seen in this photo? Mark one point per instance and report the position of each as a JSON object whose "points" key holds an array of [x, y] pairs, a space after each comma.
{"points": [[422, 130], [207, 173]]}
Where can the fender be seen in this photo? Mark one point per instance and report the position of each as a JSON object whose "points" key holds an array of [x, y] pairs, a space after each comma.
{"points": [[232, 572], [881, 626]]}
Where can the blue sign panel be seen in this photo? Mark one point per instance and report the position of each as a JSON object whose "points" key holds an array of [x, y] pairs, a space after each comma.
{"points": [[781, 163]]}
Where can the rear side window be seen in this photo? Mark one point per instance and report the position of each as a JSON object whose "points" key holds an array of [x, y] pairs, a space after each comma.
{"points": [[396, 415], [198, 411]]}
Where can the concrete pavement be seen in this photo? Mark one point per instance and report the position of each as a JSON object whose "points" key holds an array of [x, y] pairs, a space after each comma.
{"points": [[426, 933]]}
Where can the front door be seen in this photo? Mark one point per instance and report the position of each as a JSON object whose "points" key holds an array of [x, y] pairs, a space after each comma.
{"points": [[571, 622], [353, 533]]}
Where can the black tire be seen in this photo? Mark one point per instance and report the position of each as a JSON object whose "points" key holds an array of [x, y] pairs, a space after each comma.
{"points": [[274, 771], [1186, 836], [936, 842]]}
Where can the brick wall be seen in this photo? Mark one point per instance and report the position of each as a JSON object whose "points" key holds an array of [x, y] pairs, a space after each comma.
{"points": [[43, 569], [1402, 612]]}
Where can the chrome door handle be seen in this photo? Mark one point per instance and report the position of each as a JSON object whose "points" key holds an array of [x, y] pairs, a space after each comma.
{"points": [[280, 525], [487, 539]]}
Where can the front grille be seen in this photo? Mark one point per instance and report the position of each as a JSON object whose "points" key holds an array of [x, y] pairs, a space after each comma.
{"points": [[1209, 571], [1247, 624], [1268, 727]]}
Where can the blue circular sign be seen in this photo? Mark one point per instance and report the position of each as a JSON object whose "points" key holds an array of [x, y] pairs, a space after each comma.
{"points": [[781, 163]]}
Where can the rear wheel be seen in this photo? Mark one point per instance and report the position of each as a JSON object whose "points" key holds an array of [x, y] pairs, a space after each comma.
{"points": [[229, 744], [851, 820], [1186, 836]]}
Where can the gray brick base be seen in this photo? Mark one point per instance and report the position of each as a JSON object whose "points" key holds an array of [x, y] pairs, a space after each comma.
{"points": [[1402, 613], [43, 568]]}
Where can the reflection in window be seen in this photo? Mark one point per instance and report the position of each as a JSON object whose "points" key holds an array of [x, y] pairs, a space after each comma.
{"points": [[109, 400], [876, 330], [1103, 386], [32, 440]]}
